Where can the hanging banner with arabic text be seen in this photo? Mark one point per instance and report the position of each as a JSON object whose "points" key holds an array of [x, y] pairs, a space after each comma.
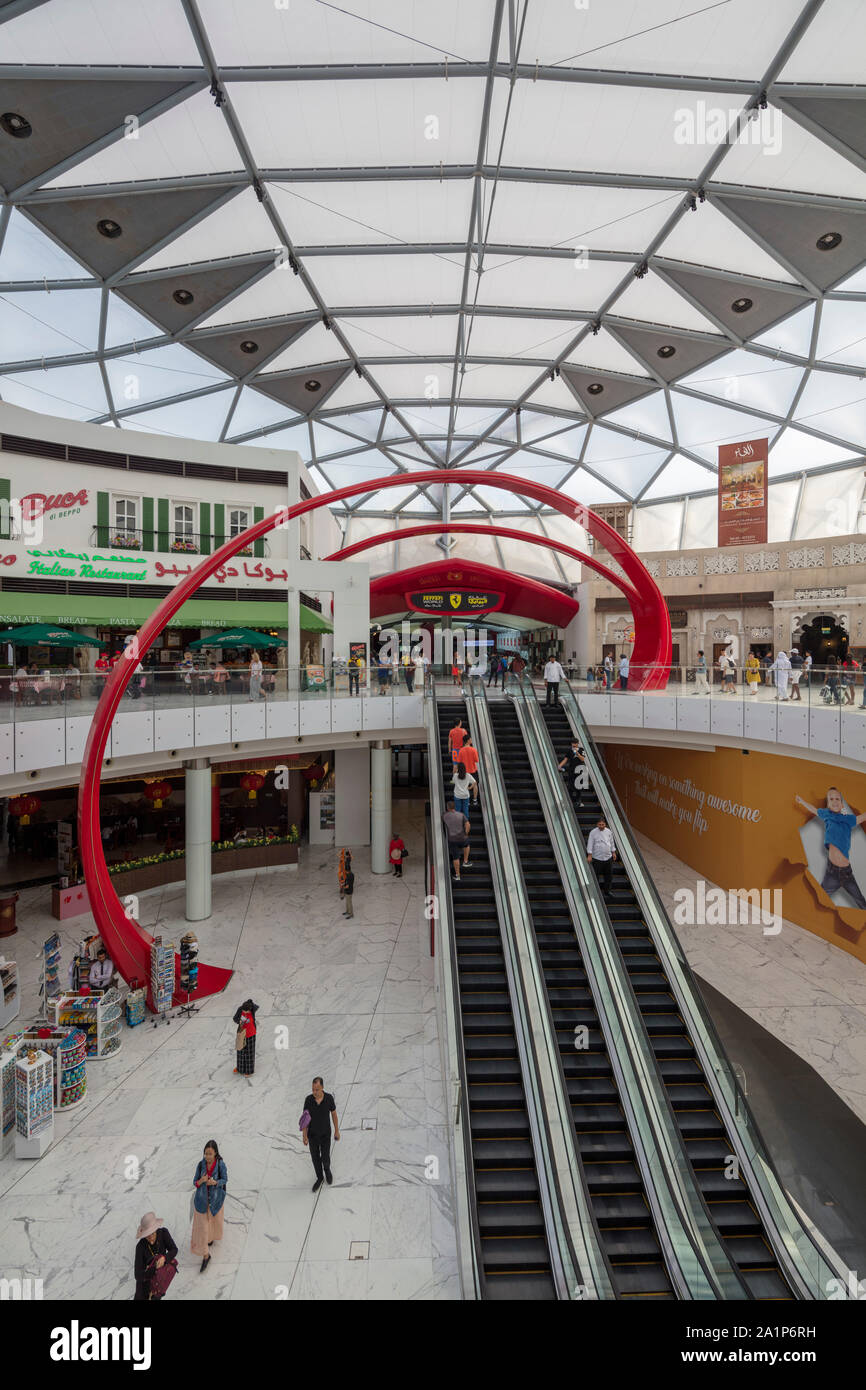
{"points": [[743, 493]]}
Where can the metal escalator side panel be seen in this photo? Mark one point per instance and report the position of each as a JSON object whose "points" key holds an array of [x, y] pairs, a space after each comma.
{"points": [[460, 1147], [811, 1273], [576, 1275], [699, 1261]]}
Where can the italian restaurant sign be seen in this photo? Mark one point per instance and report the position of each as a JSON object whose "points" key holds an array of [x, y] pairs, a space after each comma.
{"points": [[458, 602], [136, 569], [60, 504], [743, 493]]}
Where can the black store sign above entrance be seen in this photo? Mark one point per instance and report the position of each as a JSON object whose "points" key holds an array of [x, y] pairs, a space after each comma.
{"points": [[679, 617], [460, 603]]}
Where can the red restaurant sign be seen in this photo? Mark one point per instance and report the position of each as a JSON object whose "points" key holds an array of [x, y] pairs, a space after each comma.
{"points": [[36, 504], [743, 493]]}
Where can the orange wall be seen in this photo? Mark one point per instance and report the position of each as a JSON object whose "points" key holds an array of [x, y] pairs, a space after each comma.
{"points": [[755, 842]]}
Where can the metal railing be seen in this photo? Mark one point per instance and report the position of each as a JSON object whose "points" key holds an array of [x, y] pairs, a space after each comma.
{"points": [[573, 1268], [698, 1262], [167, 542], [811, 1274]]}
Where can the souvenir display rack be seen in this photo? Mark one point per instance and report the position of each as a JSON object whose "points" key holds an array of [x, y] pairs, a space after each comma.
{"points": [[97, 1015], [135, 1006], [34, 1095], [161, 978], [10, 993], [7, 1094], [49, 977], [189, 971], [68, 1047]]}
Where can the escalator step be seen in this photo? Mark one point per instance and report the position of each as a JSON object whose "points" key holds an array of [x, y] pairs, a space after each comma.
{"points": [[507, 1184], [524, 1286], [620, 1209], [511, 1218], [505, 1253]]}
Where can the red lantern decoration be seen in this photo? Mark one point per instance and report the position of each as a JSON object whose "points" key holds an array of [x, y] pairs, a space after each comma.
{"points": [[158, 792], [24, 807], [252, 783]]}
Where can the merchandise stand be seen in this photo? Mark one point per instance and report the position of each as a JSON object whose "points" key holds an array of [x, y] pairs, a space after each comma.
{"points": [[10, 993], [68, 1047], [34, 1108], [97, 1015], [7, 1095], [49, 976], [161, 978], [189, 972]]}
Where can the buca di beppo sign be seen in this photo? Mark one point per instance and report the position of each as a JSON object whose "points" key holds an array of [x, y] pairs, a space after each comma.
{"points": [[459, 602], [37, 504]]}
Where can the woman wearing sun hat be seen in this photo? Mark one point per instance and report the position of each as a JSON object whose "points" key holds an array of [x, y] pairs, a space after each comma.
{"points": [[154, 1250]]}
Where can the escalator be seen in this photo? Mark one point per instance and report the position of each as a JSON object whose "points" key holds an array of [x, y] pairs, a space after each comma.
{"points": [[514, 1253], [708, 1146], [619, 1203]]}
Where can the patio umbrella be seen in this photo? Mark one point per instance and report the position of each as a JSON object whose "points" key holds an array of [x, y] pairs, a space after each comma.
{"points": [[42, 633], [239, 637]]}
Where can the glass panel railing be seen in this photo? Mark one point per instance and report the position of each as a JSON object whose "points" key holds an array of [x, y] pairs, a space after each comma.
{"points": [[810, 1271], [694, 1247], [579, 1266], [452, 1046]]}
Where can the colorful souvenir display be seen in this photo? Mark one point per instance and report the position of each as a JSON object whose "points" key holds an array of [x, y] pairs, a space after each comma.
{"points": [[135, 1006], [161, 975], [68, 1048], [10, 994], [98, 1016], [34, 1092]]}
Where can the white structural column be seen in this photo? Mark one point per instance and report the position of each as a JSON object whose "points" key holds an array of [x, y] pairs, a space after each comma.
{"points": [[580, 633], [380, 805], [198, 839], [352, 788]]}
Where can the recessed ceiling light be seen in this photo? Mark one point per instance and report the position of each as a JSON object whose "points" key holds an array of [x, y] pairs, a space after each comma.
{"points": [[594, 388], [16, 125], [829, 241], [742, 306], [109, 228], [312, 385], [183, 296], [666, 351], [249, 346]]}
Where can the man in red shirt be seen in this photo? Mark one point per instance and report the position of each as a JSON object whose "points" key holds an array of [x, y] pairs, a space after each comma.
{"points": [[468, 755]]}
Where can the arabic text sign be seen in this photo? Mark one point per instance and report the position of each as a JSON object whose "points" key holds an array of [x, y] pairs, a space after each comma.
{"points": [[743, 493], [460, 603], [129, 569]]}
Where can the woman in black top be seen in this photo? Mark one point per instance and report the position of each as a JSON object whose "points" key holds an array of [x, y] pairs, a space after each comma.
{"points": [[246, 1018], [155, 1248]]}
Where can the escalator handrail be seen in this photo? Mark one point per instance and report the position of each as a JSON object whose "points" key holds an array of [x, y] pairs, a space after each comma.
{"points": [[451, 984], [570, 1273], [698, 1261], [809, 1271]]}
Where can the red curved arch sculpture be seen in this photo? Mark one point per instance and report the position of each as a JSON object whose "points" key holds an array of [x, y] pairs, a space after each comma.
{"points": [[127, 942], [434, 528]]}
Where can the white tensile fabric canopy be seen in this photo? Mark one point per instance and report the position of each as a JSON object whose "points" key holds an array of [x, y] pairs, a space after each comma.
{"points": [[581, 244]]}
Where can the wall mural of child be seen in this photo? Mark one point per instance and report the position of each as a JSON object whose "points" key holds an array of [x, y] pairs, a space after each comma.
{"points": [[835, 873]]}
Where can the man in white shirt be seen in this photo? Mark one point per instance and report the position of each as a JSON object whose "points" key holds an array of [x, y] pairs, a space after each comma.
{"points": [[601, 853], [623, 672], [101, 970], [553, 674]]}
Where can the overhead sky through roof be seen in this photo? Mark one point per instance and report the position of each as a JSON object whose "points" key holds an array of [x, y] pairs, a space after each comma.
{"points": [[587, 245]]}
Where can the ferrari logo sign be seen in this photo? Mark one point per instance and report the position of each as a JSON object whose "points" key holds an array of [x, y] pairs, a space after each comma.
{"points": [[461, 601]]}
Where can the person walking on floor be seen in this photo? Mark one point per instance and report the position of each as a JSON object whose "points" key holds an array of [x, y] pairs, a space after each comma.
{"points": [[553, 674], [211, 1176], [782, 668], [601, 853], [245, 1018], [255, 676], [623, 672], [753, 673], [320, 1106], [702, 685], [154, 1252], [343, 868], [397, 852], [457, 829], [796, 661], [494, 670], [348, 890]]}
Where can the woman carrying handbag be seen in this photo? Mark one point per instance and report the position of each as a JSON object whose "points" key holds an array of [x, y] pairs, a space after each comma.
{"points": [[245, 1040], [155, 1259], [211, 1177]]}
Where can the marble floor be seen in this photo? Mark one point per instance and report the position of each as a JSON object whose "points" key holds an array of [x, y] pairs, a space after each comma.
{"points": [[350, 1000], [805, 991]]}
